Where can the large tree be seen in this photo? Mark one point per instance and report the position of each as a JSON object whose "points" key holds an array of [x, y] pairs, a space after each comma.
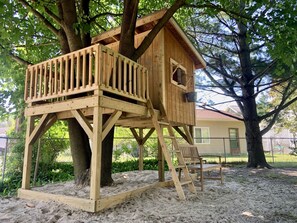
{"points": [[68, 25], [250, 48]]}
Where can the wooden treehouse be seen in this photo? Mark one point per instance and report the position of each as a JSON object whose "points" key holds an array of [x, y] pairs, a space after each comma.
{"points": [[96, 80]]}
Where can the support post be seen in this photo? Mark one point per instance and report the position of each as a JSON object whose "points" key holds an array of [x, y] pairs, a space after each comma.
{"points": [[141, 148], [96, 152], [27, 155], [160, 163]]}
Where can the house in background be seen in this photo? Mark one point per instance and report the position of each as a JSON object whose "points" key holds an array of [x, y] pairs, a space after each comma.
{"points": [[216, 133]]}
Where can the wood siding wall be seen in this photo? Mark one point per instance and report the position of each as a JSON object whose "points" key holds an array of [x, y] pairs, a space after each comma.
{"points": [[178, 110], [157, 60]]}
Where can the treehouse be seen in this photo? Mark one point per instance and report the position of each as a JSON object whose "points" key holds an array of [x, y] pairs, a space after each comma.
{"points": [[153, 93]]}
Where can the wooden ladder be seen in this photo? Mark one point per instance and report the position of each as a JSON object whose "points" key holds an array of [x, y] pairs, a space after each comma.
{"points": [[186, 180]]}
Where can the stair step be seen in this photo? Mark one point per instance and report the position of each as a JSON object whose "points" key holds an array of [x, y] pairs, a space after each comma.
{"points": [[163, 123], [168, 137], [186, 182], [180, 166]]}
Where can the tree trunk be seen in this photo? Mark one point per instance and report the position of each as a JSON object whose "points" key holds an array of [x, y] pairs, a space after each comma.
{"points": [[256, 156], [72, 40], [106, 161]]}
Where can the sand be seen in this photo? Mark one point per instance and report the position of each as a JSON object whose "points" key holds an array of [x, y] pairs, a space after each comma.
{"points": [[259, 195]]}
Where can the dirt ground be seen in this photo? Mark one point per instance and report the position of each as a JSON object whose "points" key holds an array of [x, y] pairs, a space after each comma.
{"points": [[247, 195]]}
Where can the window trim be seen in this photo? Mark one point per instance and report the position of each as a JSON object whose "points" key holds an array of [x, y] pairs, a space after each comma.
{"points": [[178, 65], [201, 138]]}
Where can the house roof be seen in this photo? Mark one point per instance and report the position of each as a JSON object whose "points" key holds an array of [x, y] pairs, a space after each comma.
{"points": [[206, 115], [145, 24]]}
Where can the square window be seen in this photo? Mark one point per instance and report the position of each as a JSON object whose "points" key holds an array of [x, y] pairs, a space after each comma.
{"points": [[178, 74], [201, 135]]}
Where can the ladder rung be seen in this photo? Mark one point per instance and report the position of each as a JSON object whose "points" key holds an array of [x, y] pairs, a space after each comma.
{"points": [[186, 182], [180, 166], [168, 137], [163, 123]]}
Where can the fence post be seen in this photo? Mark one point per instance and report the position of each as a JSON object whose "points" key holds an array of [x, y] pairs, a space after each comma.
{"points": [[4, 160], [225, 155], [271, 147]]}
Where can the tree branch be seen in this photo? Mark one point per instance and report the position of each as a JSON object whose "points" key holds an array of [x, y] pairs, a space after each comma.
{"points": [[152, 34], [15, 57], [40, 17], [221, 112]]}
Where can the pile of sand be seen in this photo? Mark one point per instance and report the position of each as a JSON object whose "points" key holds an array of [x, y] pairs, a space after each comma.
{"points": [[246, 196]]}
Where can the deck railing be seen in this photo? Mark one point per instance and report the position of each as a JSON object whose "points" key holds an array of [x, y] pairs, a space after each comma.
{"points": [[85, 70]]}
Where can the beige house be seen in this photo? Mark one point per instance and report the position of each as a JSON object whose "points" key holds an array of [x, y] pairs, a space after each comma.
{"points": [[218, 133]]}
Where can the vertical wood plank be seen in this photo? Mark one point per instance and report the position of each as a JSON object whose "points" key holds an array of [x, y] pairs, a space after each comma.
{"points": [[50, 81], [119, 65], [125, 75], [66, 84], [98, 64], [56, 76], [84, 69], [90, 67], [114, 71], [45, 84], [130, 78], [61, 75], [27, 155], [72, 72], [96, 151], [78, 70]]}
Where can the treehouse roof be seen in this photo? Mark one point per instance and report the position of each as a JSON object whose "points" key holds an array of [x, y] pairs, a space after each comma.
{"points": [[145, 24]]}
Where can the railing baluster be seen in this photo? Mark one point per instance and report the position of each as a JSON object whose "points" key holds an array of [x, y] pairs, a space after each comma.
{"points": [[98, 62], [130, 77], [114, 71], [84, 69], [61, 76], [56, 77], [50, 78], [125, 74], [72, 73], [134, 79], [78, 70]]}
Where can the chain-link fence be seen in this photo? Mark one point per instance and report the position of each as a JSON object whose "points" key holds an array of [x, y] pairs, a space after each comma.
{"points": [[126, 148]]}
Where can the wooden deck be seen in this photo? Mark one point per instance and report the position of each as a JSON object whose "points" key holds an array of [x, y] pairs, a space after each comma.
{"points": [[84, 71]]}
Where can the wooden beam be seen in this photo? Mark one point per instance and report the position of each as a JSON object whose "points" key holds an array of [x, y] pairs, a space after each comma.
{"points": [[71, 104], [148, 135], [188, 134], [181, 133], [111, 201], [136, 136], [84, 123], [110, 123], [96, 152], [27, 155], [44, 124], [107, 102], [80, 203]]}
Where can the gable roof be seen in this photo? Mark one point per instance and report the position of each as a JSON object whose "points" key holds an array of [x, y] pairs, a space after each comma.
{"points": [[146, 23], [207, 115]]}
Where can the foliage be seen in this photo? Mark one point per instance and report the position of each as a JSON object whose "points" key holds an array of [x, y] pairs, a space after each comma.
{"points": [[47, 173]]}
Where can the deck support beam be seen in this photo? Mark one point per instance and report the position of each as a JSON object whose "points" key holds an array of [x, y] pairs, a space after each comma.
{"points": [[141, 141], [96, 151]]}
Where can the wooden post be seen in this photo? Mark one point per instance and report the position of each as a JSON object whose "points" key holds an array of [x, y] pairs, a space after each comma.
{"points": [[27, 155], [160, 163], [141, 148], [96, 151]]}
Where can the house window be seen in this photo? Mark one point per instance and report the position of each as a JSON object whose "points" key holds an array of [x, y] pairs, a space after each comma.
{"points": [[178, 74], [201, 135]]}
